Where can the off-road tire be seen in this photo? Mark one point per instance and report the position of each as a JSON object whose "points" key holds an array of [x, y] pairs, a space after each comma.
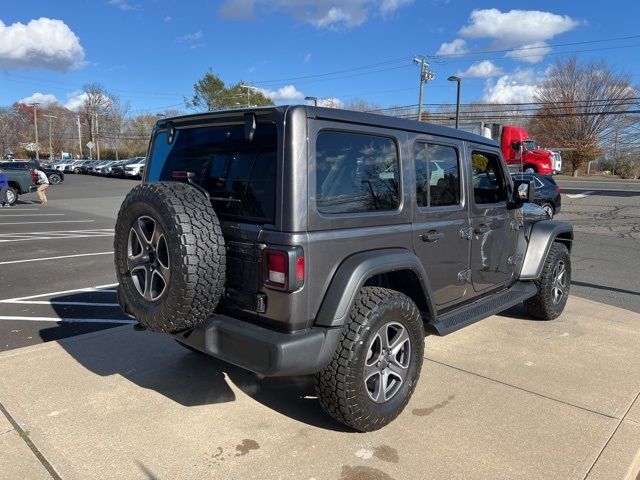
{"points": [[542, 305], [340, 386], [196, 255]]}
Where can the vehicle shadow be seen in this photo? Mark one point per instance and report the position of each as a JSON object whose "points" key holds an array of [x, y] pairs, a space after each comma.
{"points": [[156, 362]]}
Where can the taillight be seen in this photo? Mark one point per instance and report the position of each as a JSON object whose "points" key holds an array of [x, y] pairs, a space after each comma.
{"points": [[283, 268], [277, 268]]}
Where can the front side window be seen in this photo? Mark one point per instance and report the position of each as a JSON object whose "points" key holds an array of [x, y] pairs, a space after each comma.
{"points": [[437, 175], [489, 182], [356, 173]]}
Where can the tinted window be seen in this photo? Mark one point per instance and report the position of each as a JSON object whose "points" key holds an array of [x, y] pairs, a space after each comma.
{"points": [[240, 176], [437, 175], [14, 165], [489, 183], [356, 173]]}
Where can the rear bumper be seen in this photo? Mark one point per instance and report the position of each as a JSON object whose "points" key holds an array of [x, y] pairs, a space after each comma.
{"points": [[261, 350]]}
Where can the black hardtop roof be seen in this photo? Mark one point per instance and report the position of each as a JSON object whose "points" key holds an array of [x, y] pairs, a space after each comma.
{"points": [[346, 116]]}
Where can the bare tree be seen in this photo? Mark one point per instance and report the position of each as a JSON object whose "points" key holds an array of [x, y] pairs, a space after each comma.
{"points": [[362, 105], [582, 104], [96, 104]]}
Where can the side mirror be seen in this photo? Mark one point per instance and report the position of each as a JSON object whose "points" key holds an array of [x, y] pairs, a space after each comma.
{"points": [[523, 191], [515, 145]]}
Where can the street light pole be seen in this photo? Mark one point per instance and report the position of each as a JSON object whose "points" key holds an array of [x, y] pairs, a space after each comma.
{"points": [[35, 125], [315, 100], [458, 80], [50, 147]]}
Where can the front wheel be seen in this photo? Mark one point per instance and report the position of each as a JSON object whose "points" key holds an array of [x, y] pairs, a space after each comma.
{"points": [[377, 364], [54, 179], [553, 285], [530, 169]]}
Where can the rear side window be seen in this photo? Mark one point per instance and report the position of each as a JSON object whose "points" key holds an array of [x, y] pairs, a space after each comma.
{"points": [[356, 173], [437, 175], [240, 176]]}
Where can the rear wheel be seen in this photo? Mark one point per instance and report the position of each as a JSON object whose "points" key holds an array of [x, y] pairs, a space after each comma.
{"points": [[170, 256], [54, 179], [553, 285], [11, 196], [547, 207], [377, 364]]}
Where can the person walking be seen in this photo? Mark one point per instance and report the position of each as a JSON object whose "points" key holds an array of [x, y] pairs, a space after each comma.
{"points": [[4, 187], [43, 184]]}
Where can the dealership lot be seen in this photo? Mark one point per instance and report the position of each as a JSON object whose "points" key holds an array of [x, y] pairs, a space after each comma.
{"points": [[56, 263], [507, 397]]}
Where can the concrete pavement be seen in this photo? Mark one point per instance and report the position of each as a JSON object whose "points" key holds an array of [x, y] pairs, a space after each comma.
{"points": [[507, 398]]}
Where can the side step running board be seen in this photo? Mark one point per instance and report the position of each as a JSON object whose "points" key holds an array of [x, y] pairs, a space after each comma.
{"points": [[494, 303]]}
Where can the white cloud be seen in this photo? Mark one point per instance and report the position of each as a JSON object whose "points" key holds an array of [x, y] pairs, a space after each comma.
{"points": [[191, 37], [42, 43], [531, 53], [516, 27], [44, 99], [285, 94], [124, 5], [320, 13], [330, 102], [457, 47], [483, 69], [519, 86], [75, 101]]}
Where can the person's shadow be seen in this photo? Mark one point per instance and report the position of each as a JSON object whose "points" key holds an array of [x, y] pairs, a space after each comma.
{"points": [[155, 361]]}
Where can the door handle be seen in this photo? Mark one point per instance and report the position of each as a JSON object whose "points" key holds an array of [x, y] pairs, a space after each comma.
{"points": [[432, 236], [481, 229]]}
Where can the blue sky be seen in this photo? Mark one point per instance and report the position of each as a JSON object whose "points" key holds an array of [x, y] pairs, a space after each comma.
{"points": [[150, 52]]}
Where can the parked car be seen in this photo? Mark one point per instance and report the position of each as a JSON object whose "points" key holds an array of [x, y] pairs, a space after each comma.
{"points": [[54, 176], [118, 170], [92, 169], [300, 240], [547, 191], [20, 181], [135, 169]]}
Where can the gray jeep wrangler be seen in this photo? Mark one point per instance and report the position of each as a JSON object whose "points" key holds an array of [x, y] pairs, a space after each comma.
{"points": [[304, 240]]}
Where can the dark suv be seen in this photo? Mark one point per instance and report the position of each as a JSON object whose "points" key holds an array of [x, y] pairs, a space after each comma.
{"points": [[305, 240]]}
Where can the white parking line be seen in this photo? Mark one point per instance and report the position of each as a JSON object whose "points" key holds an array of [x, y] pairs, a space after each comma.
{"points": [[55, 258], [65, 320], [579, 195], [59, 302], [55, 221], [33, 215], [61, 292]]}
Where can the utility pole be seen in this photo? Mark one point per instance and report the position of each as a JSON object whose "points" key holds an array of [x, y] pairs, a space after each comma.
{"points": [[50, 147], [615, 148], [426, 75], [249, 88], [97, 143], [79, 136], [35, 125]]}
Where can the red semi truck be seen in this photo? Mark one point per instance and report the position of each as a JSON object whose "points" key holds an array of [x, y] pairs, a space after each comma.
{"points": [[518, 148]]}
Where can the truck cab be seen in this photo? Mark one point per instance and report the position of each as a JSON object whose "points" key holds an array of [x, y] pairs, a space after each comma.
{"points": [[519, 148]]}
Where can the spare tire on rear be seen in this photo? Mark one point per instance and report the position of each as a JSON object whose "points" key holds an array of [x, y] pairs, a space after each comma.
{"points": [[169, 256]]}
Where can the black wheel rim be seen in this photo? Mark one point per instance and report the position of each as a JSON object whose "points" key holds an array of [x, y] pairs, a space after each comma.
{"points": [[148, 258], [559, 285], [387, 362]]}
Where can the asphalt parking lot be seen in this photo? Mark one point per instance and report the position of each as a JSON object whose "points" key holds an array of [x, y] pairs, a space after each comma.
{"points": [[56, 263]]}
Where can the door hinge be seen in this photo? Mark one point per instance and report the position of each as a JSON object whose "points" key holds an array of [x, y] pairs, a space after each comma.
{"points": [[465, 233], [464, 276]]}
